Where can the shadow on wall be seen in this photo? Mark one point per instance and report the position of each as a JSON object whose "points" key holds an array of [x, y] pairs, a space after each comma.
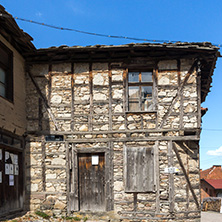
{"points": [[39, 114]]}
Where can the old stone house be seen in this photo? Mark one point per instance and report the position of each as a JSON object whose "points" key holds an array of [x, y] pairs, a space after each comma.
{"points": [[211, 182], [115, 129]]}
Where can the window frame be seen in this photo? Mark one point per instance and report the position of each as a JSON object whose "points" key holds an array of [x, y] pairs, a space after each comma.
{"points": [[140, 84], [7, 65]]}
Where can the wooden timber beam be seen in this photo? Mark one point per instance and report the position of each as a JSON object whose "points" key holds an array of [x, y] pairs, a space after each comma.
{"points": [[182, 131], [179, 92], [185, 174], [171, 176], [133, 139], [45, 103]]}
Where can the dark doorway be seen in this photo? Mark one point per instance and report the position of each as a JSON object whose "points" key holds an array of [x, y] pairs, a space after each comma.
{"points": [[91, 181], [11, 180]]}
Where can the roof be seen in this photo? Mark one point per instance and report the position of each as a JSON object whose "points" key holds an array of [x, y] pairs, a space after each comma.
{"points": [[20, 40], [215, 172], [148, 53], [216, 184]]}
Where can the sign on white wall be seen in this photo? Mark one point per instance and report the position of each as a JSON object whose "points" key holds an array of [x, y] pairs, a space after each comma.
{"points": [[95, 160], [7, 169], [11, 169], [15, 159], [12, 157], [11, 180], [16, 171], [6, 156], [171, 170]]}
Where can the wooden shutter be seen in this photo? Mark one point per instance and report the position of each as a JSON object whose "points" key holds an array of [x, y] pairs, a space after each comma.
{"points": [[139, 169]]}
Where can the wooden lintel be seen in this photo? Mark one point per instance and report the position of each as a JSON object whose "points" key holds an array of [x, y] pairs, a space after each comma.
{"points": [[90, 150], [146, 131], [134, 139]]}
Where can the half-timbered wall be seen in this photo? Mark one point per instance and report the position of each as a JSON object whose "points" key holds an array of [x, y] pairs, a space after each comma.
{"points": [[87, 104]]}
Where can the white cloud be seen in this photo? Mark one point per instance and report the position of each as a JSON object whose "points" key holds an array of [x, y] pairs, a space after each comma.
{"points": [[38, 14], [217, 152], [77, 8]]}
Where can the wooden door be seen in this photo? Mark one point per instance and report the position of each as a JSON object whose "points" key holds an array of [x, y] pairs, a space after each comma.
{"points": [[91, 181], [11, 181]]}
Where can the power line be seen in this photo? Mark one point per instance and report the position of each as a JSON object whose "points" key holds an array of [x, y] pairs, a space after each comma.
{"points": [[93, 33]]}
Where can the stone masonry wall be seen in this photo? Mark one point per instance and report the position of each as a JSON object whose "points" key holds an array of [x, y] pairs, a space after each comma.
{"points": [[89, 105]]}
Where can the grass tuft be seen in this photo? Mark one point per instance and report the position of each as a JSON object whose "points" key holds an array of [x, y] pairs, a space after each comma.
{"points": [[42, 214]]}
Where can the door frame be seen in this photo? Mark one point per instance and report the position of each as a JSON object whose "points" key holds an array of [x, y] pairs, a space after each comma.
{"points": [[73, 180]]}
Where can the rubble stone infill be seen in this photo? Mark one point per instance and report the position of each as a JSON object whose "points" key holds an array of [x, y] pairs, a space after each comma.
{"points": [[32, 216]]}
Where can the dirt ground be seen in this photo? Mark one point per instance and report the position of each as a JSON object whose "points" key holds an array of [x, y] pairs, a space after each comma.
{"points": [[208, 216], [41, 217]]}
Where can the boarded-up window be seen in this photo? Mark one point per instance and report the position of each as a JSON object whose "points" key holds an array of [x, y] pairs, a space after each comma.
{"points": [[139, 169]]}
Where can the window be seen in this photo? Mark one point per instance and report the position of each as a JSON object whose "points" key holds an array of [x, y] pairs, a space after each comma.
{"points": [[6, 72], [49, 138], [139, 169], [140, 91]]}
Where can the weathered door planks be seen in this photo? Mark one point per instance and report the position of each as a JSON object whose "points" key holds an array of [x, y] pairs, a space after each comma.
{"points": [[91, 182]]}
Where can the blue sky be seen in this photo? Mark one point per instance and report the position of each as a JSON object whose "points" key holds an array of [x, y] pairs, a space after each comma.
{"points": [[184, 20]]}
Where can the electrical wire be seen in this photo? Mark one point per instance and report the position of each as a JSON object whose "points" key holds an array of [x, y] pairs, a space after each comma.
{"points": [[93, 33]]}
